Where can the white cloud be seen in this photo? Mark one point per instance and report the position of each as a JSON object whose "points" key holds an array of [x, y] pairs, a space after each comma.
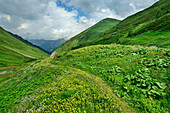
{"points": [[43, 19], [119, 9], [4, 16], [23, 26]]}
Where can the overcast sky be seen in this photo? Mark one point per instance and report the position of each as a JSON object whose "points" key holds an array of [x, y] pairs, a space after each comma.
{"points": [[54, 19]]}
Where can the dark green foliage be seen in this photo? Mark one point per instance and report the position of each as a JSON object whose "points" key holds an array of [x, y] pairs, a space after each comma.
{"points": [[130, 32], [158, 15]]}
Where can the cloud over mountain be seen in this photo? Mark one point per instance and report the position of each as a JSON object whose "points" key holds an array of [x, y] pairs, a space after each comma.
{"points": [[54, 19]]}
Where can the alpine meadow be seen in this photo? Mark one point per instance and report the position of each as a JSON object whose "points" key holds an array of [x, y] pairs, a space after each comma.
{"points": [[114, 66]]}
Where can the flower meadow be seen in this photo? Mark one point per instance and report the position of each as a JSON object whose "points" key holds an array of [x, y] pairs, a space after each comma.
{"points": [[139, 75], [95, 79], [75, 92], [51, 88]]}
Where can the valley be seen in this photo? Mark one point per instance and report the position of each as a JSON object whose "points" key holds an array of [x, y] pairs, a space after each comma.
{"points": [[115, 66]]}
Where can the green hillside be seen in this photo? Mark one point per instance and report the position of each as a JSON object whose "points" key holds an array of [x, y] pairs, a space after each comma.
{"points": [[15, 51], [112, 67], [139, 75], [101, 78], [140, 26], [89, 35]]}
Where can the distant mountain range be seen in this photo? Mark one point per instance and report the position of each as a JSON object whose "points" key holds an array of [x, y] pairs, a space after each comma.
{"points": [[48, 45]]}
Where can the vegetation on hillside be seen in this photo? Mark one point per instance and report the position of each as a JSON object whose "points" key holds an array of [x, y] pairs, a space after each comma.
{"points": [[139, 75], [44, 87], [84, 80], [91, 74], [142, 24], [15, 51]]}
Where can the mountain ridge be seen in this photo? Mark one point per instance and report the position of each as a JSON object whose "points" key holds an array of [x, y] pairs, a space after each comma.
{"points": [[48, 45], [153, 18]]}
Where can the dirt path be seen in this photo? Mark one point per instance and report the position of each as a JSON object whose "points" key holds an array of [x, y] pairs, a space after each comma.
{"points": [[53, 54], [9, 67], [123, 104], [21, 53], [3, 72]]}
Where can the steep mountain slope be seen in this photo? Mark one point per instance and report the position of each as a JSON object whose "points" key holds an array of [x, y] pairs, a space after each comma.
{"points": [[48, 45], [14, 50], [156, 11], [143, 24], [150, 26], [89, 35]]}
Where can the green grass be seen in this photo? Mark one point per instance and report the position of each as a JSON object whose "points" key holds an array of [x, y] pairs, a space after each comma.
{"points": [[139, 75], [97, 78], [162, 7], [150, 38], [15, 52], [44, 87]]}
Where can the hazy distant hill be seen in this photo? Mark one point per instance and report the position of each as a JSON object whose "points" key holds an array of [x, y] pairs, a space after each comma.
{"points": [[48, 45]]}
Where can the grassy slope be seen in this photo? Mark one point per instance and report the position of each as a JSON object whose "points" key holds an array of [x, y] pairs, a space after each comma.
{"points": [[71, 81], [15, 52], [139, 75], [131, 30], [162, 7], [80, 80], [43, 86], [89, 35], [154, 18]]}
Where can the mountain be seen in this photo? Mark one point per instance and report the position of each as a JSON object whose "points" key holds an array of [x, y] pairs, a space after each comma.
{"points": [[89, 35], [96, 71], [149, 27], [48, 45], [15, 50]]}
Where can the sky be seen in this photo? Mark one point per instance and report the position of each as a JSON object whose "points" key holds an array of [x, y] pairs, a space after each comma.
{"points": [[55, 19]]}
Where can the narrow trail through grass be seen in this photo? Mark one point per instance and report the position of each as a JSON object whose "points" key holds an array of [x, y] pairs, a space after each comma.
{"points": [[126, 108], [21, 53]]}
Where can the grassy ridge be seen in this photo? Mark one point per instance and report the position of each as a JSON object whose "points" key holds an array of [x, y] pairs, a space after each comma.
{"points": [[154, 18], [14, 51], [139, 75], [156, 11]]}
